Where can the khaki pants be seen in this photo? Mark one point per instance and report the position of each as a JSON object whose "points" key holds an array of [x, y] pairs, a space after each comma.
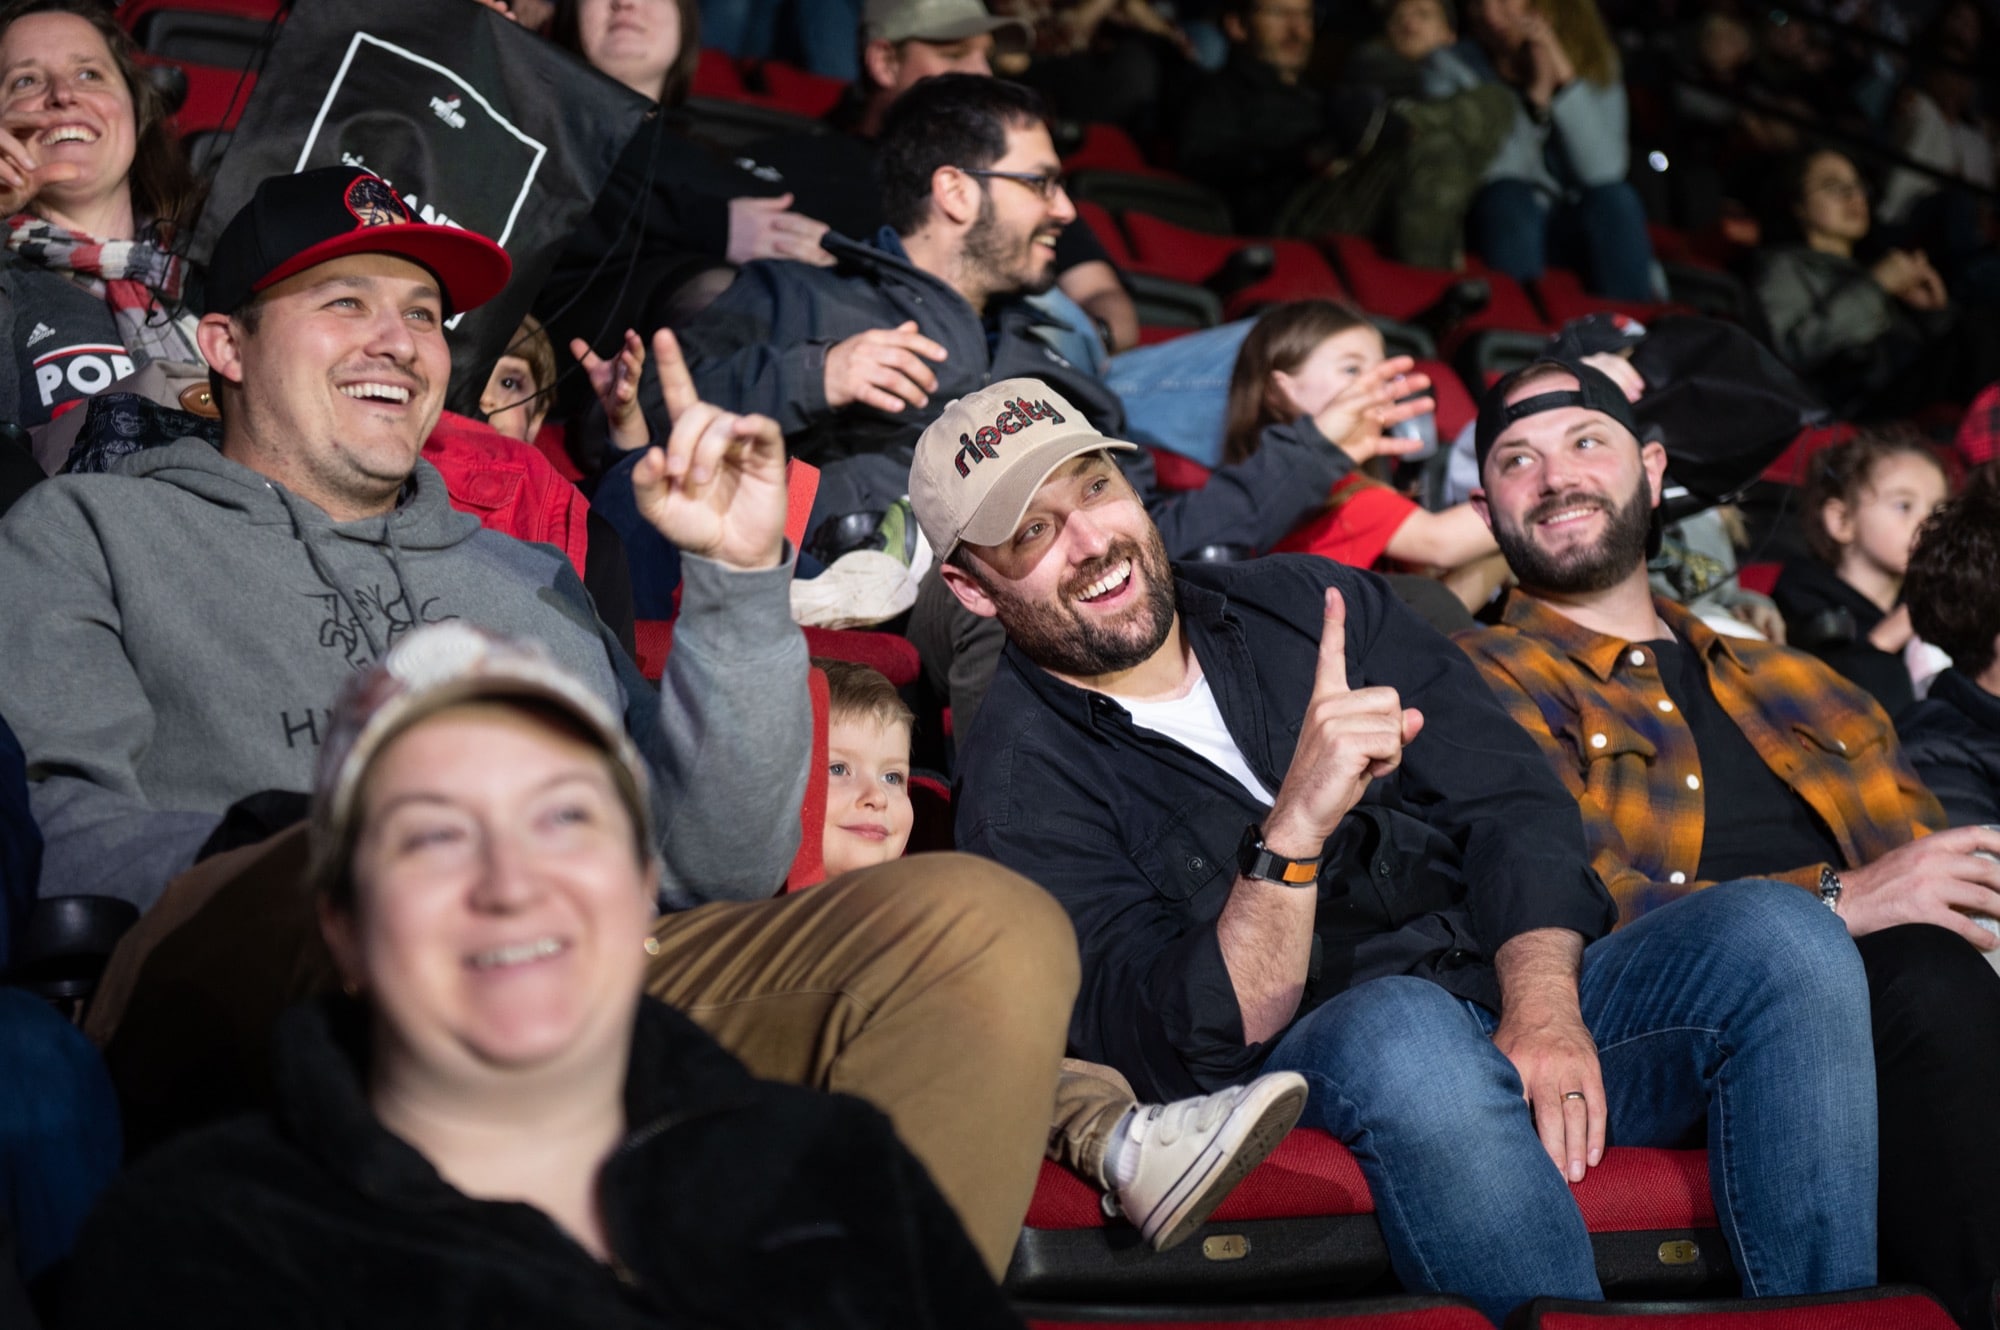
{"points": [[1091, 1099], [936, 987]]}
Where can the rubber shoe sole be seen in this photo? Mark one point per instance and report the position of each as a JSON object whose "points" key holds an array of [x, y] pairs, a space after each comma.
{"points": [[1247, 1136]]}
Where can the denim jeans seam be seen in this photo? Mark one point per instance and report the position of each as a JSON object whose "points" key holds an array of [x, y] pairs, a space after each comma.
{"points": [[1712, 1031], [1350, 1112]]}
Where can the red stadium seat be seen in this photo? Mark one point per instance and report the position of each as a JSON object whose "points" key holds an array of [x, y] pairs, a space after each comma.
{"points": [[1304, 1220], [1759, 577], [1299, 271], [1510, 331], [1173, 471], [1455, 406], [1562, 298], [215, 98], [809, 864], [1790, 466], [1105, 227], [1400, 290], [716, 75], [790, 88], [1109, 148]]}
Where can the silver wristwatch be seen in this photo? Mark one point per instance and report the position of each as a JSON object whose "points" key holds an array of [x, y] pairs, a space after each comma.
{"points": [[1830, 887]]}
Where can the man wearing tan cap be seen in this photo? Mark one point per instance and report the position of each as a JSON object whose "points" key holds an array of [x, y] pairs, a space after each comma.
{"points": [[1294, 834]]}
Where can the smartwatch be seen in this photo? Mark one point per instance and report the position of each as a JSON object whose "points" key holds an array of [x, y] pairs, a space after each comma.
{"points": [[1253, 859]]}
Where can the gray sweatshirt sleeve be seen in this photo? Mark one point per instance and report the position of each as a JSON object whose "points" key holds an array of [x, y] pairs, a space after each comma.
{"points": [[735, 720], [81, 713], [1589, 131], [1816, 310]]}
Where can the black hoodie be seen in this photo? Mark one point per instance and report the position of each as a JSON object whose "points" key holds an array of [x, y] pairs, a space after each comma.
{"points": [[732, 1202]]}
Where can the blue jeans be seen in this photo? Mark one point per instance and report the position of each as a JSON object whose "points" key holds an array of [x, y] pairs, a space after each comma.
{"points": [[1742, 1007], [1176, 394], [59, 1132], [1602, 234]]}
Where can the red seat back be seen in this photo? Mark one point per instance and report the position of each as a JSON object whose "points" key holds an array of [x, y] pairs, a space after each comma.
{"points": [[1455, 407], [716, 75], [1105, 227], [1298, 271], [1108, 148], [809, 864], [1400, 290], [799, 91], [1175, 472]]}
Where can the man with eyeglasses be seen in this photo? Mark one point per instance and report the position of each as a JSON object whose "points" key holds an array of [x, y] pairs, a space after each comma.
{"points": [[853, 361]]}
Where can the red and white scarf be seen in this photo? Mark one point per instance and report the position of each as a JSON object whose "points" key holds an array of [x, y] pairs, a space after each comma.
{"points": [[141, 280]]}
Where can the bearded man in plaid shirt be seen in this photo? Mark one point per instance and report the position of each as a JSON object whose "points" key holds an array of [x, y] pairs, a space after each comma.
{"points": [[1698, 758]]}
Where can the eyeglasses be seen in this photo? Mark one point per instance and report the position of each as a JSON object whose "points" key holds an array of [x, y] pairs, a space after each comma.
{"points": [[1046, 184]]}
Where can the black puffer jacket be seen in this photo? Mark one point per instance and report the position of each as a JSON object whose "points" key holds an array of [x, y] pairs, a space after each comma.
{"points": [[733, 1202], [1952, 738]]}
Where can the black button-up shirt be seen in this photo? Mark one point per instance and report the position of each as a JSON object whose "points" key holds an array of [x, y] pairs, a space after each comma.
{"points": [[1470, 842]]}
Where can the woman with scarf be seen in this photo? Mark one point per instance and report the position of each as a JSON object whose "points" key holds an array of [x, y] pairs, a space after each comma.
{"points": [[93, 185]]}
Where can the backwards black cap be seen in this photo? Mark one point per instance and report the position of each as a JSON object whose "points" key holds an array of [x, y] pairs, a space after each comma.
{"points": [[294, 222], [1594, 391]]}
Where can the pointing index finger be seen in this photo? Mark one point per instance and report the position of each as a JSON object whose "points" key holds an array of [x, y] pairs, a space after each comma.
{"points": [[676, 384], [1331, 674]]}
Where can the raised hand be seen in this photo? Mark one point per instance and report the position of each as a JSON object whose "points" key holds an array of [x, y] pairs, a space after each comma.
{"points": [[768, 229], [1349, 737], [883, 368], [1357, 418], [23, 175], [717, 489], [616, 383]]}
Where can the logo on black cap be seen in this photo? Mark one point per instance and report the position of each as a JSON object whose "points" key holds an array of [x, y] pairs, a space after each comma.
{"points": [[373, 203]]}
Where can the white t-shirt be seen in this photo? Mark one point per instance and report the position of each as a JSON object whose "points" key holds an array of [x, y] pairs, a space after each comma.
{"points": [[1195, 723]]}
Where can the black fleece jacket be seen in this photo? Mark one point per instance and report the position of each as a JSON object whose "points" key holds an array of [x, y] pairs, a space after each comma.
{"points": [[732, 1202], [1832, 620]]}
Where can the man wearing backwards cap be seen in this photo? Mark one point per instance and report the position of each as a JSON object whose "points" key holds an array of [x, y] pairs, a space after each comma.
{"points": [[1698, 758], [1294, 833], [172, 634]]}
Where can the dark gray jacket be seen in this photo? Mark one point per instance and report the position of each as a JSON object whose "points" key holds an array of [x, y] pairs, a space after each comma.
{"points": [[762, 347]]}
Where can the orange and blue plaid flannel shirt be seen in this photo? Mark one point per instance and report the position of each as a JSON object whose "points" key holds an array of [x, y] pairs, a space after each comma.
{"points": [[1595, 705]]}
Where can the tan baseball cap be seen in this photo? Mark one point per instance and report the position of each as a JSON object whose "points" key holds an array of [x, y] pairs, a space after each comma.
{"points": [[980, 463], [932, 21]]}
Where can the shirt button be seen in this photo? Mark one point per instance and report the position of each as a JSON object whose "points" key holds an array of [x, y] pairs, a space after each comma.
{"points": [[1694, 782], [1666, 705], [1196, 863], [1841, 744], [1637, 658], [1677, 878], [1597, 741]]}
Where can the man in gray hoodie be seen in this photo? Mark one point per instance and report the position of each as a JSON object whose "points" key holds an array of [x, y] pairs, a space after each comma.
{"points": [[172, 633]]}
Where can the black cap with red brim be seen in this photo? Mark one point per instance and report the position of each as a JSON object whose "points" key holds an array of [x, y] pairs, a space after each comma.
{"points": [[295, 222]]}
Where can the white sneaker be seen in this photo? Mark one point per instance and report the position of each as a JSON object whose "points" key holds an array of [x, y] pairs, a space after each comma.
{"points": [[1193, 1152]]}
